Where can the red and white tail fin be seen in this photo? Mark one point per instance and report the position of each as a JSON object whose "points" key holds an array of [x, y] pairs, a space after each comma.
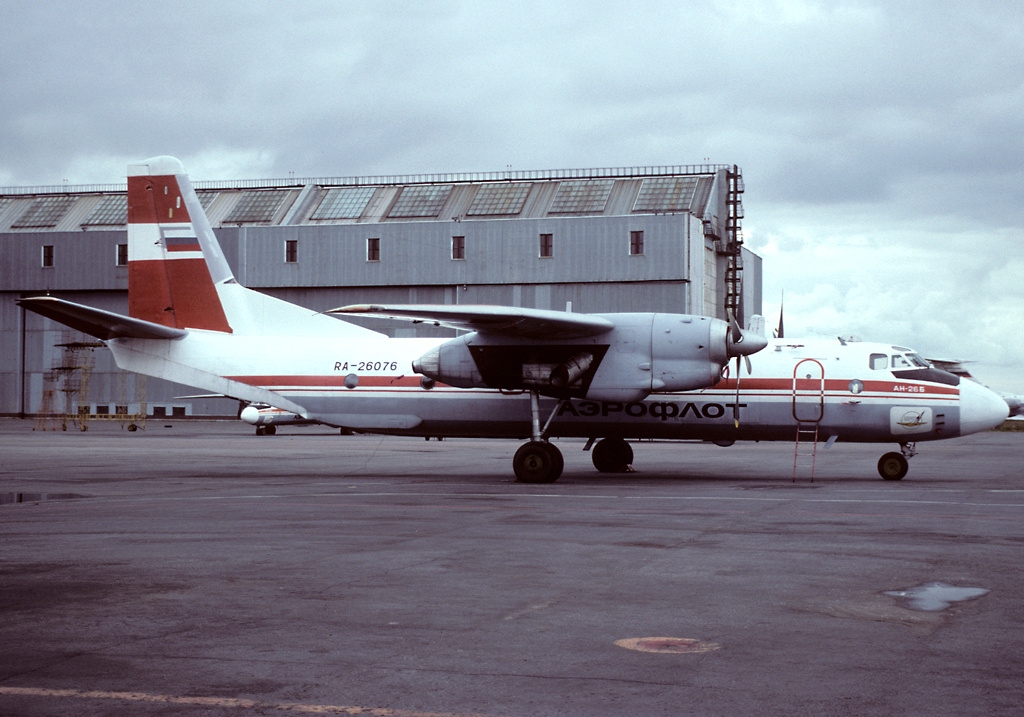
{"points": [[178, 276], [173, 259]]}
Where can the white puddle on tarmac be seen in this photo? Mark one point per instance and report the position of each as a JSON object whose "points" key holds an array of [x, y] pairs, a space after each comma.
{"points": [[933, 597]]}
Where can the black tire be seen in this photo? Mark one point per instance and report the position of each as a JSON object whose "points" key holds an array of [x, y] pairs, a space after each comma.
{"points": [[893, 466], [538, 462], [612, 455]]}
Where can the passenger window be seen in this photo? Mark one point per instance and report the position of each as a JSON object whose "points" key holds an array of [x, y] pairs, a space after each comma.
{"points": [[879, 362], [900, 361]]}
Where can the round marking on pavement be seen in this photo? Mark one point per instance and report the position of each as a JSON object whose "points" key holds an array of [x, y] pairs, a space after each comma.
{"points": [[673, 645]]}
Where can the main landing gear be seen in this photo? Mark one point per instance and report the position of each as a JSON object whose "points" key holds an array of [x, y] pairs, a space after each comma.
{"points": [[612, 455], [894, 466], [538, 461], [541, 462]]}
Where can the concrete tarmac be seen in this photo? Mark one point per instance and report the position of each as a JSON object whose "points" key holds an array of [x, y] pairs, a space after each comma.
{"points": [[195, 569]]}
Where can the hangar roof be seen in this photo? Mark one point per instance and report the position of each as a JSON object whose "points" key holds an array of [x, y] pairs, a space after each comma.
{"points": [[353, 200]]}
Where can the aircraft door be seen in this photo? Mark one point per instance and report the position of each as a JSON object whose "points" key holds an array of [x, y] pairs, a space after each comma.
{"points": [[808, 391]]}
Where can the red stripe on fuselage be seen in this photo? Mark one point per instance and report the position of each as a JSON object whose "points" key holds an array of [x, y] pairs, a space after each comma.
{"points": [[322, 381], [837, 385]]}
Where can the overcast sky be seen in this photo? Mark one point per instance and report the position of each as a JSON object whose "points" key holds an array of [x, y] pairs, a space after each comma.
{"points": [[881, 142]]}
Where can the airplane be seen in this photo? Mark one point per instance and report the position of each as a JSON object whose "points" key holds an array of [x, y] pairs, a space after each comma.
{"points": [[955, 366], [519, 373]]}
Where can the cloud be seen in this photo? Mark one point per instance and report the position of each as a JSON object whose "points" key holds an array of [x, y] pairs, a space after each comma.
{"points": [[880, 141]]}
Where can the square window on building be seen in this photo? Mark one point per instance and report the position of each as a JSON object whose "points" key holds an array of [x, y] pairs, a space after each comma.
{"points": [[458, 247], [373, 249], [547, 245], [47, 255], [291, 251], [122, 255], [636, 243]]}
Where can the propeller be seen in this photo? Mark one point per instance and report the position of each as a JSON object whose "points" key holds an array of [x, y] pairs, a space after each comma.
{"points": [[742, 344]]}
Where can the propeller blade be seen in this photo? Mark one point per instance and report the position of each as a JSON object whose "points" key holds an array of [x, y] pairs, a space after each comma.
{"points": [[735, 332], [736, 403]]}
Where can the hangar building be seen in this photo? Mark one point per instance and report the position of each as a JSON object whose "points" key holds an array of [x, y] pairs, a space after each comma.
{"points": [[594, 240]]}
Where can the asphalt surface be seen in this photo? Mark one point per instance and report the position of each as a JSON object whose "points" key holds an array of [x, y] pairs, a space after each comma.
{"points": [[195, 569]]}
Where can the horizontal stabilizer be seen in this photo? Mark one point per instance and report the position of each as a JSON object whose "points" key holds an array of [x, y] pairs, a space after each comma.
{"points": [[501, 320], [102, 324]]}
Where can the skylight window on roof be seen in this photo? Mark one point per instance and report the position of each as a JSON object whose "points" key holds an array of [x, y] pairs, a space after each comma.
{"points": [[421, 200], [257, 206], [492, 199], [206, 199], [582, 196], [45, 212], [666, 194], [112, 211], [343, 203]]}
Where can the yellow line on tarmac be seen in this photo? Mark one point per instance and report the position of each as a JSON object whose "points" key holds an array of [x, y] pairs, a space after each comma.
{"points": [[226, 702]]}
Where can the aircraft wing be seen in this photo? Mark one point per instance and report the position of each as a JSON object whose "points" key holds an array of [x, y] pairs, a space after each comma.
{"points": [[500, 320], [102, 324]]}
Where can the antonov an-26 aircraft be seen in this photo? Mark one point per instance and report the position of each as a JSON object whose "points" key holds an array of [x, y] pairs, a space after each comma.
{"points": [[519, 373]]}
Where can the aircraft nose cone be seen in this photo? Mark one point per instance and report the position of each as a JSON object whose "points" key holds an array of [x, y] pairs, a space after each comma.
{"points": [[981, 409]]}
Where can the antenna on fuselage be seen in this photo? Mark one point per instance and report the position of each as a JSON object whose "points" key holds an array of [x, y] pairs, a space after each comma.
{"points": [[778, 332]]}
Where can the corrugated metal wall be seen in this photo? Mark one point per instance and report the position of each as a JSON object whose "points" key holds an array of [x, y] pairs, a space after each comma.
{"points": [[590, 267]]}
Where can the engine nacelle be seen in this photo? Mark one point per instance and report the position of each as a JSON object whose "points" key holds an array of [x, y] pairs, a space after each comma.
{"points": [[451, 363], [642, 354], [687, 352]]}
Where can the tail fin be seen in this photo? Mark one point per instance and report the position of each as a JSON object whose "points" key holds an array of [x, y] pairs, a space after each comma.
{"points": [[178, 276], [174, 261]]}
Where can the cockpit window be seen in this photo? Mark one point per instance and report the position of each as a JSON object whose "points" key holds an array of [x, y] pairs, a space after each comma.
{"points": [[918, 361], [878, 362], [899, 361]]}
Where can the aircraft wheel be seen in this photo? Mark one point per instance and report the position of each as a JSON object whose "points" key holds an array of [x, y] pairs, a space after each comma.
{"points": [[538, 462], [271, 430], [893, 466], [612, 455]]}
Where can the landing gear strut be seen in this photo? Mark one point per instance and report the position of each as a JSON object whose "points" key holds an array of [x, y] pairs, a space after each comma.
{"points": [[538, 461]]}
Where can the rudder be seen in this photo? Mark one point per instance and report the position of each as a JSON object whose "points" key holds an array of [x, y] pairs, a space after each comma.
{"points": [[173, 258]]}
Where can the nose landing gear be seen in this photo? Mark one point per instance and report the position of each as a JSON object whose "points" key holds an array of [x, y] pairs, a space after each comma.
{"points": [[894, 466]]}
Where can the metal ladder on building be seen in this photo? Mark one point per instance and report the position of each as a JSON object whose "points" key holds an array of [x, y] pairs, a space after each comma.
{"points": [[734, 245], [808, 410]]}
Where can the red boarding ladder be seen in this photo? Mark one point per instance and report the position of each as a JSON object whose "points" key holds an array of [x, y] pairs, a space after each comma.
{"points": [[808, 410]]}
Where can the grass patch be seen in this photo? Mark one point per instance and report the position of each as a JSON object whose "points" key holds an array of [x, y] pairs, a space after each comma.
{"points": [[1011, 427]]}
